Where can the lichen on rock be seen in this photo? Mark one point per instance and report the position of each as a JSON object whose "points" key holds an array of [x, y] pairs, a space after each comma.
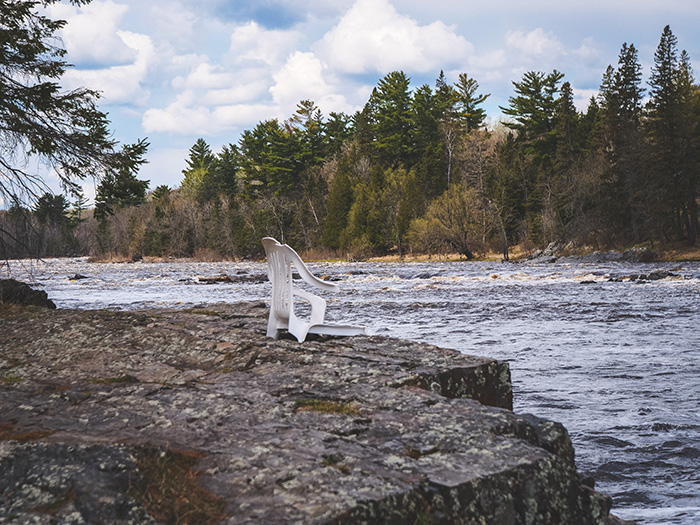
{"points": [[333, 430]]}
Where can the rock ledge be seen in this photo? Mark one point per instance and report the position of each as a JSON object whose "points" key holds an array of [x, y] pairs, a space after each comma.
{"points": [[334, 430]]}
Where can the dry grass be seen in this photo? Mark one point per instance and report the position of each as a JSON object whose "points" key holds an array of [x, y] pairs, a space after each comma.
{"points": [[169, 488], [679, 253], [117, 380], [9, 310], [326, 405], [322, 255], [8, 432], [109, 258], [208, 255]]}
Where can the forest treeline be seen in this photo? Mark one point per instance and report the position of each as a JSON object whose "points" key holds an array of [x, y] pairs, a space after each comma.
{"points": [[416, 171]]}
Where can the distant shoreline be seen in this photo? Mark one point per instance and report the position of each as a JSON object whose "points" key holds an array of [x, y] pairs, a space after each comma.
{"points": [[661, 254]]}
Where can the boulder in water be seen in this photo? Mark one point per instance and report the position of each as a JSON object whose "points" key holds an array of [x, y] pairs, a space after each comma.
{"points": [[16, 292]]}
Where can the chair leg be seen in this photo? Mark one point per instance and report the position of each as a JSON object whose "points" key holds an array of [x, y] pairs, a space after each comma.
{"points": [[272, 326]]}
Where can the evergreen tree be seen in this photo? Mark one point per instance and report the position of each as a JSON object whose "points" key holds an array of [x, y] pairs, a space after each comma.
{"points": [[445, 98], [338, 131], [533, 110], [393, 128], [199, 181], [61, 129], [308, 121], [122, 188], [79, 206], [225, 171], [534, 105], [622, 197], [672, 155], [468, 101], [425, 126], [271, 158], [51, 209]]}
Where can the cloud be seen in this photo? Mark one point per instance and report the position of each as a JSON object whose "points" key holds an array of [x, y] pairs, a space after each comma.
{"points": [[535, 45], [164, 17], [269, 13], [373, 37], [92, 37], [254, 46], [582, 98], [303, 77], [121, 84], [188, 116], [214, 98]]}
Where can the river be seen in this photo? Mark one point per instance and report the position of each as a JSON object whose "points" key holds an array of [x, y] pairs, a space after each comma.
{"points": [[616, 360]]}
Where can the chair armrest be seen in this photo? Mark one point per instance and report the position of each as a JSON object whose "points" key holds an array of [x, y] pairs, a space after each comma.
{"points": [[310, 278], [318, 304]]}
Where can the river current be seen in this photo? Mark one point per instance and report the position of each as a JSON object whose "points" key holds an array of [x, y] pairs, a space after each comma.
{"points": [[615, 359]]}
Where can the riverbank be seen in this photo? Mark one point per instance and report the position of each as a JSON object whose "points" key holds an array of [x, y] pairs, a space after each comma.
{"points": [[676, 252], [130, 415], [672, 252]]}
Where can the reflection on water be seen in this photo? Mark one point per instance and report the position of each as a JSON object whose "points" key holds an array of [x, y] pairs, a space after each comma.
{"points": [[615, 360]]}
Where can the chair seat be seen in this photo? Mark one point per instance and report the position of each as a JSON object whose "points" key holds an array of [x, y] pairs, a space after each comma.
{"points": [[337, 329], [280, 259]]}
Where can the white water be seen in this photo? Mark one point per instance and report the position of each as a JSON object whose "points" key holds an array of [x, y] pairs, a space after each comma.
{"points": [[618, 363]]}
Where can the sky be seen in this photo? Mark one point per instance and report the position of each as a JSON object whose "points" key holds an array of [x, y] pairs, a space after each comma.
{"points": [[173, 71]]}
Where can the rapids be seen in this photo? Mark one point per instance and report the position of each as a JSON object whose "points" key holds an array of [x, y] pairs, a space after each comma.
{"points": [[616, 360]]}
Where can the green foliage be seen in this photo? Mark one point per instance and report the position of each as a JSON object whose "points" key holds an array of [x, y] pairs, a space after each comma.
{"points": [[198, 181], [121, 188], [673, 162], [467, 103], [451, 223], [392, 119], [51, 209], [417, 170], [61, 129]]}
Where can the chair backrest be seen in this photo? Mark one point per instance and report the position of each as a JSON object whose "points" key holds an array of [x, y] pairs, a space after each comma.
{"points": [[279, 271], [280, 258]]}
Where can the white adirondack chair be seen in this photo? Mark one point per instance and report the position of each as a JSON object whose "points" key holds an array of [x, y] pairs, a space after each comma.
{"points": [[280, 259]]}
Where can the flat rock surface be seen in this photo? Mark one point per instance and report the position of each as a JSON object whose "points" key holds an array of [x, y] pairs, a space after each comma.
{"points": [[334, 430]]}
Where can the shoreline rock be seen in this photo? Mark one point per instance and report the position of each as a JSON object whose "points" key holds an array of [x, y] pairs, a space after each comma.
{"points": [[16, 292], [334, 430]]}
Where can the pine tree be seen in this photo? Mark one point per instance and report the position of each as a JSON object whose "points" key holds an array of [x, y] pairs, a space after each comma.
{"points": [[122, 188], [61, 129], [534, 106], [425, 126], [198, 180], [468, 101], [622, 198], [671, 153], [394, 118], [338, 131], [533, 110], [307, 122]]}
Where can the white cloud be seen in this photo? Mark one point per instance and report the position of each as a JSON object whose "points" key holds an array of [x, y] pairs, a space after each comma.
{"points": [[182, 115], [122, 84], [373, 36], [205, 76], [172, 19], [588, 51], [535, 45], [582, 98], [255, 46], [91, 36], [188, 116], [164, 166], [214, 97], [303, 77]]}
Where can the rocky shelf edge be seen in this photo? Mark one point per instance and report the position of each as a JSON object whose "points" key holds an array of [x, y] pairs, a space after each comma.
{"points": [[99, 409]]}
